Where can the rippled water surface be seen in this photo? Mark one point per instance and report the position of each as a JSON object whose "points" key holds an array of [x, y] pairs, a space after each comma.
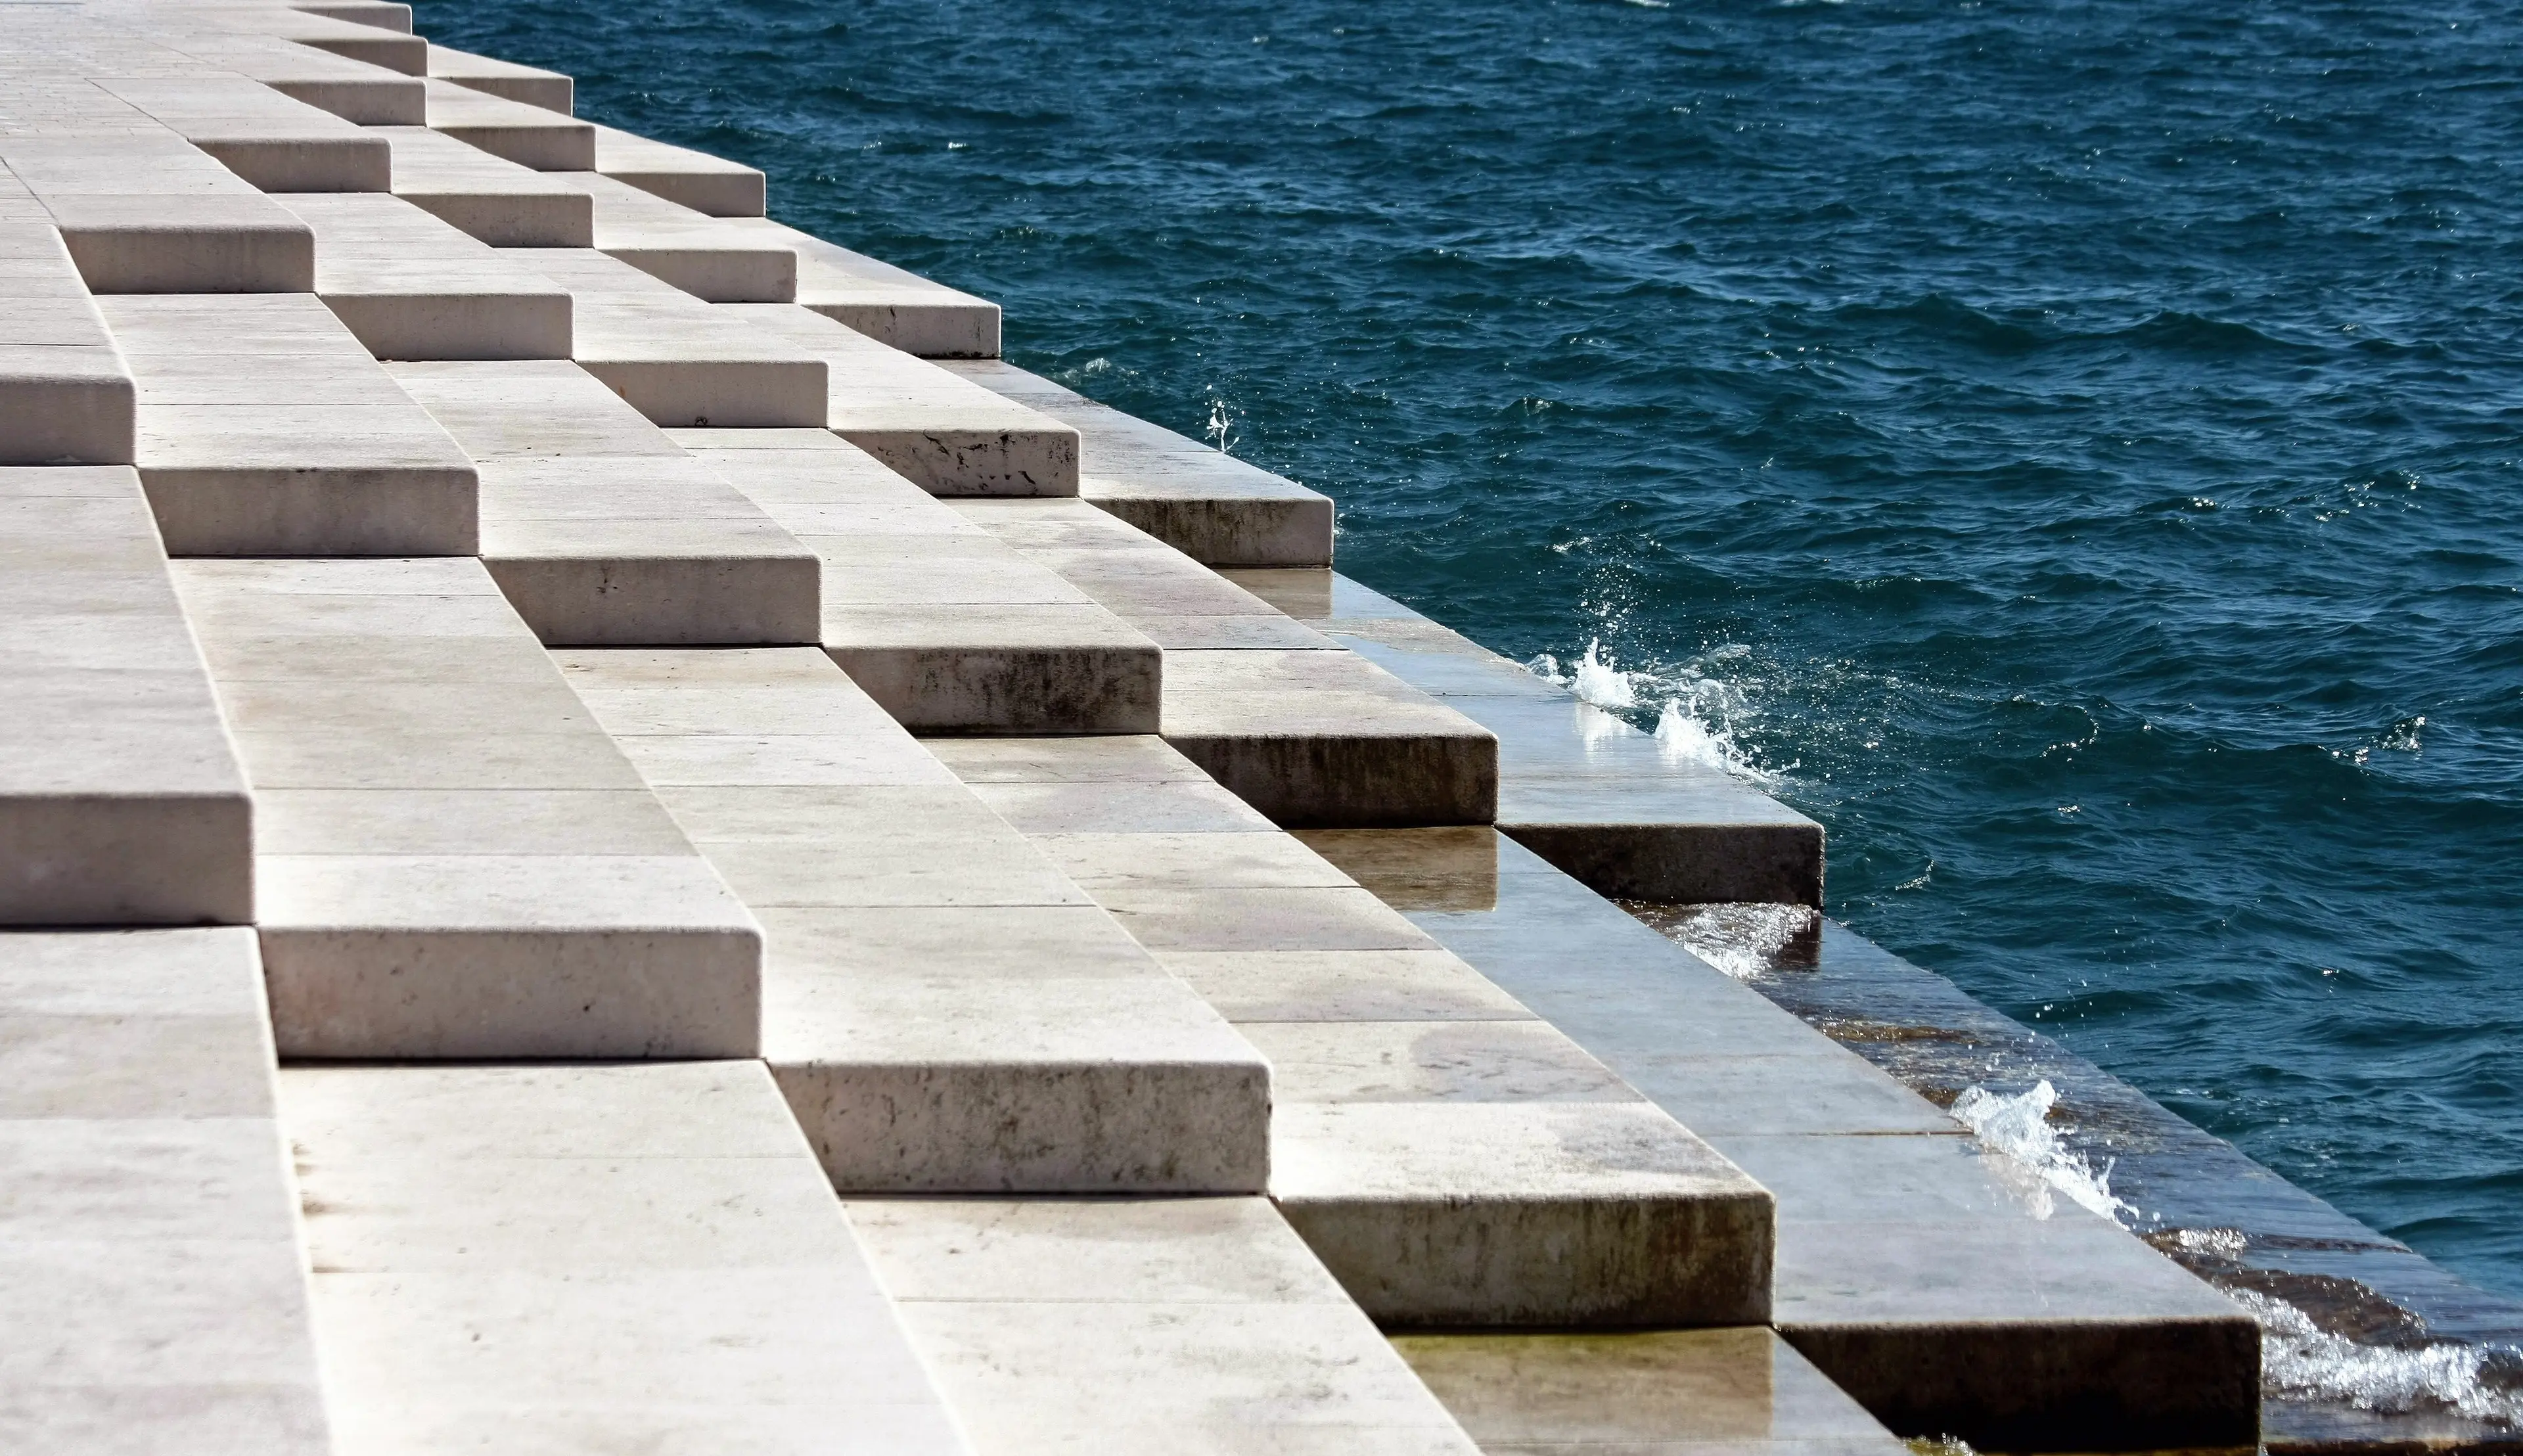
{"points": [[2071, 447]]}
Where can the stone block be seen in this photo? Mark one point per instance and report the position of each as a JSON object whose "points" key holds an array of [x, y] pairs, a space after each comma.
{"points": [[409, 286], [944, 433], [1454, 1160], [948, 628], [1945, 1297], [534, 86], [1143, 1326], [150, 1273], [581, 1258], [525, 134], [66, 397], [1316, 738], [943, 1010], [600, 529], [266, 429], [270, 140], [348, 33], [611, 945], [893, 307], [141, 210], [1676, 1391], [1211, 506], [490, 197], [679, 174], [361, 94], [678, 360], [120, 800], [714, 260]]}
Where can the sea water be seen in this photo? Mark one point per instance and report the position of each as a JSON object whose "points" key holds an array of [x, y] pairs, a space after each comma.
{"points": [[2069, 450]]}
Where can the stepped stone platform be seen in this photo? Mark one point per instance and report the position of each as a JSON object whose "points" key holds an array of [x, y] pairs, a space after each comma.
{"points": [[150, 1278], [630, 841], [1201, 502], [945, 1011]]}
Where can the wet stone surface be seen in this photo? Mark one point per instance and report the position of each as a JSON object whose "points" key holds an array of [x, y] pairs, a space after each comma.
{"points": [[2366, 1345]]}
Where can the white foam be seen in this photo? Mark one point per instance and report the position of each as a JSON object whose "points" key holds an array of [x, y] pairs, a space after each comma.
{"points": [[1742, 940], [2299, 1358], [2018, 1128]]}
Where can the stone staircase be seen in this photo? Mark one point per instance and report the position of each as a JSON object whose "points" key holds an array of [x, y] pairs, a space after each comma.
{"points": [[625, 841]]}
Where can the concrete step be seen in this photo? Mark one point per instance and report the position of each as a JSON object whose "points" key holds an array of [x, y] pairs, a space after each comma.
{"points": [[66, 394], [143, 210], [266, 429], [150, 1273], [353, 39], [945, 626], [1158, 1326], [612, 1258], [527, 136], [678, 360], [947, 436], [1306, 733], [1681, 1392], [695, 179], [494, 200], [1630, 816], [409, 286], [1203, 503], [1939, 1285], [893, 306], [530, 84], [454, 861], [945, 1011], [1455, 1161], [599, 529], [276, 143], [120, 799], [361, 94], [384, 15], [715, 261]]}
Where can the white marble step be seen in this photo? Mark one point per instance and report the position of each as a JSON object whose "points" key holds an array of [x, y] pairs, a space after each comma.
{"points": [[530, 84], [412, 287], [1453, 1159], [943, 1008], [1211, 506], [490, 197], [360, 93], [453, 859], [266, 429], [947, 436], [525, 134], [143, 210], [601, 1258], [599, 529], [893, 306], [679, 174], [715, 260], [273, 141], [151, 1281], [120, 799], [66, 394], [946, 626], [678, 360]]}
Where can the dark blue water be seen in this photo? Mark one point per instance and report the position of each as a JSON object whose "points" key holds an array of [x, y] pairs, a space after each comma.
{"points": [[2073, 448]]}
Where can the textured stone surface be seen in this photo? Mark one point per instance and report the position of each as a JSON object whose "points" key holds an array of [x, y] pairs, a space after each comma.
{"points": [[530, 84], [678, 360], [411, 287], [65, 395], [525, 134], [946, 626], [714, 259], [599, 529], [694, 179], [893, 307], [150, 1275], [943, 1008], [266, 429], [1126, 1327], [120, 799], [276, 143], [1201, 502], [413, 736], [143, 210], [1454, 1164], [490, 197], [624, 1258]]}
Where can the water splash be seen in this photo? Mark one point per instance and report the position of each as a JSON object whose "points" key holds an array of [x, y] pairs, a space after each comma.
{"points": [[2018, 1128], [2299, 1358], [1742, 940], [1221, 431]]}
